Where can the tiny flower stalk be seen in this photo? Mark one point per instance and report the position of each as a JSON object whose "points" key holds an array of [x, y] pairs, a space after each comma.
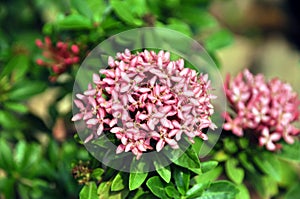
{"points": [[147, 101], [268, 109], [58, 57]]}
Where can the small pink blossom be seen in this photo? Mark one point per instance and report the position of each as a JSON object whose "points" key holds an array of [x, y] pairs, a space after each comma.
{"points": [[150, 102], [58, 57], [267, 109]]}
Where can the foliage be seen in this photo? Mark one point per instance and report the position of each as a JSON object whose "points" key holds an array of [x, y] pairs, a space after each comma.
{"points": [[39, 153]]}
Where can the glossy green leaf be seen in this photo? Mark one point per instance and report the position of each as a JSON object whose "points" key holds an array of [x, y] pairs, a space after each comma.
{"points": [[138, 173], [208, 176], [233, 172], [220, 190], [182, 179], [89, 191], [218, 40], [136, 180], [197, 190], [156, 186], [172, 192], [208, 165], [73, 22], [118, 182], [164, 172], [188, 159]]}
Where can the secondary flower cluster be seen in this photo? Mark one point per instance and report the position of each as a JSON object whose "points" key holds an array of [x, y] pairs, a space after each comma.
{"points": [[59, 57], [147, 101], [266, 108]]}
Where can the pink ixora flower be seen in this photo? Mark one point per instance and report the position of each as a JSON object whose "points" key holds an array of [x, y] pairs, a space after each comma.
{"points": [[58, 57], [267, 109], [147, 101]]}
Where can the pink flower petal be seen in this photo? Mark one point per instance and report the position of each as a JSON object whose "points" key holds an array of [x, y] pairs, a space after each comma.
{"points": [[77, 117], [160, 145], [93, 121]]}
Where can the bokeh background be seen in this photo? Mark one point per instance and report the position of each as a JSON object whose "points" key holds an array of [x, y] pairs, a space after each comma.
{"points": [[38, 143]]}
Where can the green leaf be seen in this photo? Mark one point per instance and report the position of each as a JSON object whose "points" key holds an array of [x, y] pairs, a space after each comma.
{"points": [[220, 190], [26, 89], [138, 7], [230, 146], [247, 164], [156, 186], [104, 190], [243, 192], [233, 172], [182, 179], [290, 151], [188, 159], [208, 165], [7, 187], [172, 192], [218, 40], [19, 64], [269, 164], [97, 173], [89, 191], [119, 195], [119, 182], [179, 25], [198, 18], [122, 11], [136, 180], [8, 120], [20, 151], [293, 192], [208, 176], [74, 22], [6, 157], [16, 106], [164, 172], [266, 186], [83, 8], [138, 175], [197, 190], [31, 161]]}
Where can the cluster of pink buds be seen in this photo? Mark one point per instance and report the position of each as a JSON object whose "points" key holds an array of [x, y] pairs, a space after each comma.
{"points": [[147, 102], [59, 57], [267, 109]]}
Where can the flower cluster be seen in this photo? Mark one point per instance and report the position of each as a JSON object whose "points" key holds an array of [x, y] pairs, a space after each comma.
{"points": [[268, 109], [147, 101], [59, 57]]}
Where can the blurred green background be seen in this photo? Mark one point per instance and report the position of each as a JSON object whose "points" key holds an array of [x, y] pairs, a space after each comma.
{"points": [[37, 144]]}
